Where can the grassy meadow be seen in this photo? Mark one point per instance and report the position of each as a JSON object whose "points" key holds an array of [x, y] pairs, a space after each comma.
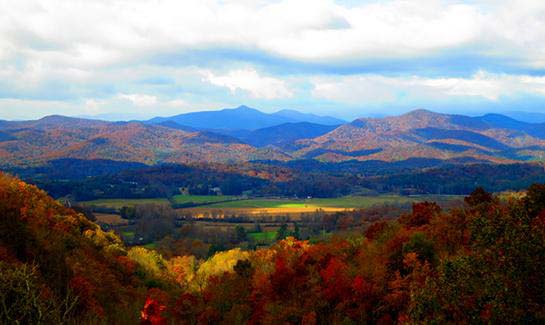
{"points": [[221, 206], [345, 202], [275, 206], [202, 199], [119, 203]]}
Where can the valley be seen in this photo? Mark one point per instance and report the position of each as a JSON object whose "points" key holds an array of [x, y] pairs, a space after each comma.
{"points": [[242, 178], [272, 162], [176, 207]]}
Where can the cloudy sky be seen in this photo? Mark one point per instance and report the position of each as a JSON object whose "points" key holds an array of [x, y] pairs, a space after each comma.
{"points": [[143, 58]]}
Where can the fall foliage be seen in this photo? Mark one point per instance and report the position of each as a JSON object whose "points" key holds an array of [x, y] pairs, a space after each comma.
{"points": [[477, 264]]}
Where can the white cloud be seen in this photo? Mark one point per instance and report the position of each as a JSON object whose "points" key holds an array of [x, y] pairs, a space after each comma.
{"points": [[78, 50], [380, 89], [98, 33], [92, 106], [249, 80], [139, 99], [177, 103]]}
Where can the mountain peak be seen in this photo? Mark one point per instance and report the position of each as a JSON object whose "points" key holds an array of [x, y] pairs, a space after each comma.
{"points": [[54, 118], [243, 118], [421, 112], [63, 119], [244, 108]]}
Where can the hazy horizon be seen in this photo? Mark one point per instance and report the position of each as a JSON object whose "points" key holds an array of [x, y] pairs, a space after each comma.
{"points": [[525, 116]]}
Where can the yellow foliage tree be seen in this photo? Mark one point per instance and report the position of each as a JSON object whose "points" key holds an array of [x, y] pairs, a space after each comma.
{"points": [[150, 261], [182, 269], [220, 263]]}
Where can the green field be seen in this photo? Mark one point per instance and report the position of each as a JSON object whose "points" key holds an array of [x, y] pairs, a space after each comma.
{"points": [[128, 235], [202, 199], [264, 236], [119, 203], [235, 202], [151, 245], [349, 202]]}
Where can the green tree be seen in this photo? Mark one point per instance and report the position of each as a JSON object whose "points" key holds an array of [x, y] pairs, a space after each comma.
{"points": [[282, 232], [241, 234], [296, 231], [257, 227]]}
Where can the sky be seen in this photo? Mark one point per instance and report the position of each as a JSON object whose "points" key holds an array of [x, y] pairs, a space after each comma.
{"points": [[135, 59]]}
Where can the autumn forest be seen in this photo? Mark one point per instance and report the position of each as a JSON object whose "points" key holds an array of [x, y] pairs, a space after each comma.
{"points": [[479, 263]]}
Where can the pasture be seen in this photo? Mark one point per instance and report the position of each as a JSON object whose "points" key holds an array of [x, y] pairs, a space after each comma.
{"points": [[345, 202], [111, 219], [119, 203], [202, 199], [297, 207]]}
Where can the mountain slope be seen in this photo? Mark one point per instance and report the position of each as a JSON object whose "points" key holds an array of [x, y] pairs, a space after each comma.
{"points": [[425, 134], [417, 134], [243, 118], [528, 117], [310, 118], [33, 142], [57, 267], [284, 135]]}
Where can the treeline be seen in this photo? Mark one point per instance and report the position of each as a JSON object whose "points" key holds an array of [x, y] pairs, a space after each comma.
{"points": [[481, 263], [478, 264], [88, 180]]}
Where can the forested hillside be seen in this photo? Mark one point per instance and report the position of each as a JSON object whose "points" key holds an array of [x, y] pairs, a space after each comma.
{"points": [[476, 264], [418, 134]]}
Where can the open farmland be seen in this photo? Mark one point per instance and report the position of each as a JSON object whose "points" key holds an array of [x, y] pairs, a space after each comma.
{"points": [[293, 207], [110, 219], [119, 203], [202, 199]]}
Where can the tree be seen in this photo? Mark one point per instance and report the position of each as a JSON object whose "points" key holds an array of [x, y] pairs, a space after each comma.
{"points": [[24, 300], [282, 232], [535, 199], [241, 234], [422, 214], [257, 227], [478, 196], [154, 221], [296, 231]]}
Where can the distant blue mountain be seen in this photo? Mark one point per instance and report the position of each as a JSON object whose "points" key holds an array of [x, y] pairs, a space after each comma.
{"points": [[306, 117], [284, 135], [505, 122], [535, 129], [499, 121], [173, 125], [528, 117], [242, 118]]}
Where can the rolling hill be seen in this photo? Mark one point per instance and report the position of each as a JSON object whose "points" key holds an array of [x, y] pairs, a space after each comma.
{"points": [[425, 134], [285, 135], [418, 134], [34, 142]]}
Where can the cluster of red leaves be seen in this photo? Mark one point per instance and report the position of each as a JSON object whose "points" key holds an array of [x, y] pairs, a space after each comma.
{"points": [[154, 307], [482, 263], [429, 265], [37, 230]]}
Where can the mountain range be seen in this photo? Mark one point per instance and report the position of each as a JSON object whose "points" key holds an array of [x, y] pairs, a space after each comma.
{"points": [[243, 118], [244, 134]]}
